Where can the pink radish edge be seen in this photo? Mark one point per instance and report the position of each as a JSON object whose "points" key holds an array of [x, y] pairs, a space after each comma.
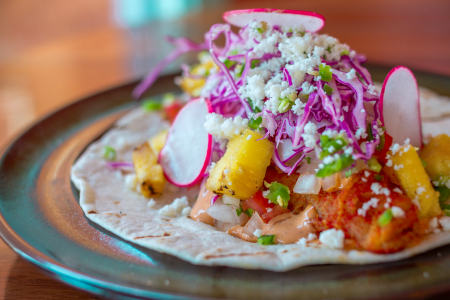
{"points": [[418, 101], [229, 14], [208, 153]]}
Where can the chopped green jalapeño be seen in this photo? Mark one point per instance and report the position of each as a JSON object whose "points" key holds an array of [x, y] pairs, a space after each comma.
{"points": [[109, 153], [255, 108], [374, 165], [385, 218], [279, 194], [345, 52], [151, 105], [229, 63], [255, 124], [266, 239], [327, 89], [369, 132], [254, 63], [331, 145], [380, 146], [337, 165], [444, 194], [325, 72], [285, 105]]}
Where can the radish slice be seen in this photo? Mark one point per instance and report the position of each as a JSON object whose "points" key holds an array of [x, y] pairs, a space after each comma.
{"points": [[282, 17], [400, 107], [187, 151]]}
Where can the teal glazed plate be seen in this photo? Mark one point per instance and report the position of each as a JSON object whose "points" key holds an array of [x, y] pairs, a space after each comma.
{"points": [[41, 220]]}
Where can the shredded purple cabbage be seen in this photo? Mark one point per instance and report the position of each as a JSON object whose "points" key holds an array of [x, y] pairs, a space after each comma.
{"points": [[344, 110]]}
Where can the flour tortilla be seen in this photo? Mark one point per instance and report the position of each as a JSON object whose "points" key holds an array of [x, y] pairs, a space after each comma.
{"points": [[107, 201]]}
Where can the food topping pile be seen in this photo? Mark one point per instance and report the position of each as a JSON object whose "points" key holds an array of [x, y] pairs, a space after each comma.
{"points": [[292, 146]]}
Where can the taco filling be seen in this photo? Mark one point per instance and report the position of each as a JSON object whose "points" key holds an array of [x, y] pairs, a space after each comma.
{"points": [[297, 149]]}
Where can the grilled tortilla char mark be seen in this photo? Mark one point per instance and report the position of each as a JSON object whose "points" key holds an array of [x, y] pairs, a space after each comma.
{"points": [[340, 210]]}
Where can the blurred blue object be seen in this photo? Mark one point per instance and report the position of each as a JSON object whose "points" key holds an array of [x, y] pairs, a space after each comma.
{"points": [[137, 13]]}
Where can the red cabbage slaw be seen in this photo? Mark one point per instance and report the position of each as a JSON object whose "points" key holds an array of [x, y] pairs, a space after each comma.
{"points": [[326, 111]]}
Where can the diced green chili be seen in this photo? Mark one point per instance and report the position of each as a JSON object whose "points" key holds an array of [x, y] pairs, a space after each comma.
{"points": [[385, 218], [229, 63], [255, 108], [345, 52], [255, 124], [379, 177], [369, 132], [325, 72], [151, 105], [380, 146], [336, 143], [444, 194], [424, 163], [308, 160], [374, 165], [338, 165], [279, 194], [327, 89], [266, 239], [109, 153]]}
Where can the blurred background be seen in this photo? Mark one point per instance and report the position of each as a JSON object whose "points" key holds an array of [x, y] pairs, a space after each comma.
{"points": [[54, 52]]}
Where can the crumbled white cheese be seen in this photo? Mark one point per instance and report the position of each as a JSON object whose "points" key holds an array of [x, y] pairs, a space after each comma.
{"points": [[130, 181], [366, 173], [397, 190], [445, 223], [308, 88], [372, 90], [186, 211], [310, 136], [433, 224], [175, 208], [363, 179], [376, 188], [341, 118], [389, 163], [224, 128], [249, 137], [332, 238], [394, 148], [312, 237], [416, 202], [345, 108], [299, 107], [351, 74], [265, 193], [226, 171], [258, 232], [373, 202], [398, 167], [360, 133], [302, 242], [363, 110], [397, 212], [212, 166], [420, 190], [328, 159], [151, 203]]}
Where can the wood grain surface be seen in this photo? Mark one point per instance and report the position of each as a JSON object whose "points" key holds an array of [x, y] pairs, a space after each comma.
{"points": [[53, 54]]}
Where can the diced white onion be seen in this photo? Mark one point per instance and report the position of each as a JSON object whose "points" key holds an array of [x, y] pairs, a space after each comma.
{"points": [[231, 200], [285, 149], [254, 223], [221, 226], [226, 213], [330, 182], [307, 184]]}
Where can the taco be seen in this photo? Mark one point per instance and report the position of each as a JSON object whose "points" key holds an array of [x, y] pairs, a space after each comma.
{"points": [[280, 153]]}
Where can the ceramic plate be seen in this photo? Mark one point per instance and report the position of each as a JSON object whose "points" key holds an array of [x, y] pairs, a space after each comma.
{"points": [[41, 220]]}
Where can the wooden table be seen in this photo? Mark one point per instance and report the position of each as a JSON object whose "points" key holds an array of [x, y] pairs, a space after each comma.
{"points": [[45, 75]]}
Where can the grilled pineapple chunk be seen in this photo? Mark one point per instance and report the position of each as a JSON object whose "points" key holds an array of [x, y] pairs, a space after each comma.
{"points": [[158, 141], [415, 181], [148, 172], [240, 172], [437, 156]]}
